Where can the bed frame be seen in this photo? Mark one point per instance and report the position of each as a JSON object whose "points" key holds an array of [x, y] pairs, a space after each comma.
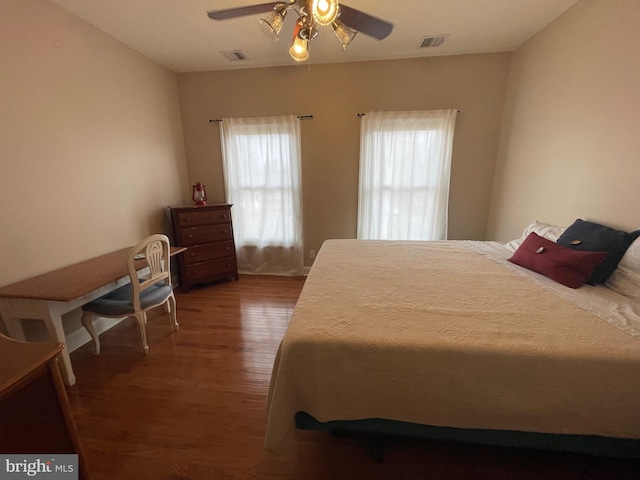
{"points": [[380, 427]]}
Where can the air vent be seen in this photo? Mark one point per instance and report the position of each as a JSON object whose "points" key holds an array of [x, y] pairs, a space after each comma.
{"points": [[234, 55], [432, 41]]}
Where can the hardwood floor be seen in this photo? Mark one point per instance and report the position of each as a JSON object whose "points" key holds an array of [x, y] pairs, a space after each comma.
{"points": [[194, 407]]}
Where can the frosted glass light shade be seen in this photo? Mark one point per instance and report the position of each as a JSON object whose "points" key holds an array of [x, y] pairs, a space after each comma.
{"points": [[272, 25], [344, 33], [324, 11], [298, 50]]}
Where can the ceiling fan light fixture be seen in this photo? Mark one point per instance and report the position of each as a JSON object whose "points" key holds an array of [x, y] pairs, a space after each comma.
{"points": [[272, 25], [299, 50], [325, 11], [311, 13], [344, 33]]}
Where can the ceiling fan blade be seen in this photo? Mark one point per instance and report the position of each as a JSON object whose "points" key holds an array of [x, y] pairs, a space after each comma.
{"points": [[242, 11], [364, 23]]}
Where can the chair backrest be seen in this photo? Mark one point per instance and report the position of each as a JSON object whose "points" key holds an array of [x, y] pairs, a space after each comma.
{"points": [[155, 249]]}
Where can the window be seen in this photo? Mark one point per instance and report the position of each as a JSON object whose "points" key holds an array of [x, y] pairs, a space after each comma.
{"points": [[261, 159], [405, 164]]}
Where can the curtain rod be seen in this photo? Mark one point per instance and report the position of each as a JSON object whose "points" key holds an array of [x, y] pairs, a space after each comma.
{"points": [[300, 117], [360, 115]]}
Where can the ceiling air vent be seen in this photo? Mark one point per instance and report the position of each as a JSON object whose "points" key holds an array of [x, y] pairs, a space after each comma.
{"points": [[234, 55], [432, 41]]}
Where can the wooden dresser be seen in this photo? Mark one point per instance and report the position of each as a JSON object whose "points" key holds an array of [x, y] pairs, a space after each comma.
{"points": [[35, 415], [207, 231]]}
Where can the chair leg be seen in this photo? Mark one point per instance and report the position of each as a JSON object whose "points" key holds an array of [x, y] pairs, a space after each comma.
{"points": [[87, 322], [142, 322], [171, 306]]}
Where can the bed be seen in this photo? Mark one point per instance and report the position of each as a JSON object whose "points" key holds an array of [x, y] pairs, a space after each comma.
{"points": [[452, 335]]}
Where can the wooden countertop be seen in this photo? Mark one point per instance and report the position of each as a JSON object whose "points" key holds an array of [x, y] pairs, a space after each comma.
{"points": [[26, 358]]}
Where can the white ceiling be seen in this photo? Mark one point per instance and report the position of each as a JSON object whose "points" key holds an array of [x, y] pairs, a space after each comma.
{"points": [[179, 35]]}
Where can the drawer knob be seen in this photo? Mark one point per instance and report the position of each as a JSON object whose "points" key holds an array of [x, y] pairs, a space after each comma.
{"points": [[189, 236], [226, 231], [227, 248], [187, 219], [192, 254], [224, 215]]}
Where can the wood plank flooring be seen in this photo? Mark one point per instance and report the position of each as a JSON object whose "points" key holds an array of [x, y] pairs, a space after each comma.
{"points": [[193, 409]]}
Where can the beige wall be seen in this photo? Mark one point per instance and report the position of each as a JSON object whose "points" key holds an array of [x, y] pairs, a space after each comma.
{"points": [[334, 95], [91, 145], [570, 142]]}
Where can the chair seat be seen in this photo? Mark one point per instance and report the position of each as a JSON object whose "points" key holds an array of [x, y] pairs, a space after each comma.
{"points": [[132, 300], [119, 302]]}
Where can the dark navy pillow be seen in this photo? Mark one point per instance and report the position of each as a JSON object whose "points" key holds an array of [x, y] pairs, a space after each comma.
{"points": [[593, 237]]}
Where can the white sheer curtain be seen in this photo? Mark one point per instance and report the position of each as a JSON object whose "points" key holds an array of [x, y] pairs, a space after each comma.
{"points": [[262, 174], [405, 165]]}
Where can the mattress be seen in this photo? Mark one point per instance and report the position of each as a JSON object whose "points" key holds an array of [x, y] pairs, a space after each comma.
{"points": [[446, 334]]}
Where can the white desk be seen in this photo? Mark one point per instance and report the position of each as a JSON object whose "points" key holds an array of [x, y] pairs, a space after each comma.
{"points": [[49, 296]]}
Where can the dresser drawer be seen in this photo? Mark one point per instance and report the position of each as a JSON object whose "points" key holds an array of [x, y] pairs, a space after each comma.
{"points": [[206, 234], [205, 270], [202, 253], [203, 217]]}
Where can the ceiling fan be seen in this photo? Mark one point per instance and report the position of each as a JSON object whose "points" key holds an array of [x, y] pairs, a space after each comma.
{"points": [[345, 21]]}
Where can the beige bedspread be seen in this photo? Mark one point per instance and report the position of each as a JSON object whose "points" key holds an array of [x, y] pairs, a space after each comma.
{"points": [[437, 334]]}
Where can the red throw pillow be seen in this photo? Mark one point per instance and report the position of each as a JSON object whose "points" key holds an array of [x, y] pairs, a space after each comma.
{"points": [[562, 264]]}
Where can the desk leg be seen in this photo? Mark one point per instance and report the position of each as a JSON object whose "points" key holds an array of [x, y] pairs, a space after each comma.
{"points": [[53, 320], [15, 309], [14, 326]]}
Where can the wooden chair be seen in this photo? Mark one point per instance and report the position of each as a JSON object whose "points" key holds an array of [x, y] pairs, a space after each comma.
{"points": [[142, 294]]}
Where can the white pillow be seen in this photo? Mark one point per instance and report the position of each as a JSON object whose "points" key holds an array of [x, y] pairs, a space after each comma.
{"points": [[550, 232], [625, 279]]}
